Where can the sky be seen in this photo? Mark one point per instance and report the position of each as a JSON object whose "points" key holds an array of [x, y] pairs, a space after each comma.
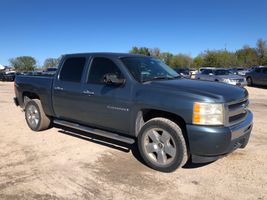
{"points": [[50, 28]]}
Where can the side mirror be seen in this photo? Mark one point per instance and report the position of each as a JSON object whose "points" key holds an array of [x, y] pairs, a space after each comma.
{"points": [[113, 79]]}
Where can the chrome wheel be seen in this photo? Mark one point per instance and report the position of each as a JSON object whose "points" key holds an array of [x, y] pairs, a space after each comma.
{"points": [[249, 81], [33, 116], [159, 146]]}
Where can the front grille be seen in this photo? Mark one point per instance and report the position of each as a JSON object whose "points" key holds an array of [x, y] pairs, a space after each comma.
{"points": [[237, 112], [238, 80], [237, 105], [237, 117]]}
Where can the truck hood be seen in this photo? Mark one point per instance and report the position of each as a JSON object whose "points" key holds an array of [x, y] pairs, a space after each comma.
{"points": [[211, 91]]}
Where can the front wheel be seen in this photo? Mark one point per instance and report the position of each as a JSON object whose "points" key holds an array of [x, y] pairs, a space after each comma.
{"points": [[162, 145], [35, 116], [249, 81]]}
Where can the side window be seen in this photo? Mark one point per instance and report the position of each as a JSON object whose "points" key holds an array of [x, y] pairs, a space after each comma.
{"points": [[205, 71], [264, 70], [258, 70], [101, 66], [72, 69]]}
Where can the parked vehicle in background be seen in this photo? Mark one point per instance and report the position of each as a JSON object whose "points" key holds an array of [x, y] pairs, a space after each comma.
{"points": [[135, 98], [1, 76], [257, 76], [50, 71], [221, 75], [2, 67], [7, 76], [33, 73], [203, 68], [239, 71], [10, 76], [184, 72], [193, 73]]}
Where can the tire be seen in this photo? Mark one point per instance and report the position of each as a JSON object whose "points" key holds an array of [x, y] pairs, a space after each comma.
{"points": [[35, 116], [249, 81], [162, 145]]}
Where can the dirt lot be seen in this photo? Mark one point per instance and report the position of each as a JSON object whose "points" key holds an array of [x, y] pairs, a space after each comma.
{"points": [[58, 164]]}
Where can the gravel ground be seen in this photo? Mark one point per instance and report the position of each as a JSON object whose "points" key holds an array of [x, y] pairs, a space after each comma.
{"points": [[57, 164]]}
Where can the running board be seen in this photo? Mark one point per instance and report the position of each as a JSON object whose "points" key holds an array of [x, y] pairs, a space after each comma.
{"points": [[102, 133]]}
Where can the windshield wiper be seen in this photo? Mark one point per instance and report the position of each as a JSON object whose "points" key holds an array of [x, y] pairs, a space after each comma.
{"points": [[162, 78]]}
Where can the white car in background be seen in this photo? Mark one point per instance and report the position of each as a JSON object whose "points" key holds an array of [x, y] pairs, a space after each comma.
{"points": [[221, 75]]}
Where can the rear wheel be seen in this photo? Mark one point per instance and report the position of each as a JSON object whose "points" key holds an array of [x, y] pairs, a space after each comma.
{"points": [[162, 145], [35, 116], [249, 81]]}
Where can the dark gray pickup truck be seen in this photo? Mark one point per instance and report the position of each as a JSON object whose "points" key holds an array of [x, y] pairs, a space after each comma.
{"points": [[137, 98]]}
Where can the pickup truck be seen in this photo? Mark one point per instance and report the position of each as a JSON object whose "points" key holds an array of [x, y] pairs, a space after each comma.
{"points": [[141, 101]]}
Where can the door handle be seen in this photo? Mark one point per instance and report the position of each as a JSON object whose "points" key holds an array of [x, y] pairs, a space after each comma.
{"points": [[58, 88], [87, 92]]}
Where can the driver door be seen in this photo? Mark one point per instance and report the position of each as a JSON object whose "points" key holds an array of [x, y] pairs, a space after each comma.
{"points": [[105, 105]]}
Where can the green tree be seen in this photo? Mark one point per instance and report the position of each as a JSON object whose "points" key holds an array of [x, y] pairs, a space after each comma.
{"points": [[198, 61], [23, 63], [167, 57], [141, 50], [155, 52], [134, 50], [181, 60], [51, 62], [262, 51], [247, 56], [220, 59]]}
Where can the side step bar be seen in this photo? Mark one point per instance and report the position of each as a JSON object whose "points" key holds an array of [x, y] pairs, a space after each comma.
{"points": [[102, 133]]}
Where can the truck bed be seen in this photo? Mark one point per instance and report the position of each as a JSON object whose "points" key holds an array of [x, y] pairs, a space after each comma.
{"points": [[42, 85]]}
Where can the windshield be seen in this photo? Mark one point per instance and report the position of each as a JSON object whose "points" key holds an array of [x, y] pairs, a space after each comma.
{"points": [[147, 68], [222, 72]]}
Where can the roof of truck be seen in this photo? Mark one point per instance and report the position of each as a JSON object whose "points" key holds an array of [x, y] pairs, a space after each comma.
{"points": [[110, 54]]}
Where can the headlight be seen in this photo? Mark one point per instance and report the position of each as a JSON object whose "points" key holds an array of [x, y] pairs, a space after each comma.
{"points": [[208, 114], [229, 81], [226, 80]]}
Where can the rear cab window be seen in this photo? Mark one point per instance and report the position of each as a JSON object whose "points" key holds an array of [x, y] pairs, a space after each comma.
{"points": [[72, 69]]}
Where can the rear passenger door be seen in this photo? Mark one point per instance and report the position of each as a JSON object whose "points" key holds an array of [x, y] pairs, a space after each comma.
{"points": [[106, 106], [257, 76], [67, 89]]}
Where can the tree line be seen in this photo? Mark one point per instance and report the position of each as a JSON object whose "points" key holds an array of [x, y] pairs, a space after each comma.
{"points": [[29, 63], [244, 57]]}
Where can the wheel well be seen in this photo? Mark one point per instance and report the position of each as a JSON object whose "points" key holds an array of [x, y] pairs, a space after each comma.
{"points": [[29, 95], [146, 114]]}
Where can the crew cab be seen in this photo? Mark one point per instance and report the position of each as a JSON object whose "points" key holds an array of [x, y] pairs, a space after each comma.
{"points": [[139, 99]]}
